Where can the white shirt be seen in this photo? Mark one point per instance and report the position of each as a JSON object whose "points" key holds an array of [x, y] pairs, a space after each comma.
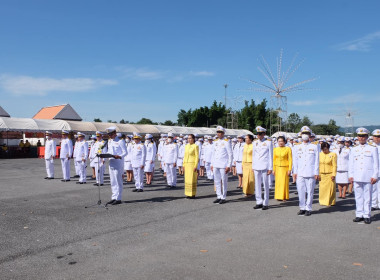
{"points": [[221, 154], [364, 163], [98, 147], [343, 158], [170, 153], [49, 149], [306, 160], [262, 155], [66, 148], [81, 150], [138, 155], [238, 152], [150, 151], [115, 147], [207, 147]]}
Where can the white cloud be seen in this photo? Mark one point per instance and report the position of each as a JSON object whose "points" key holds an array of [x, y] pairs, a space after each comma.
{"points": [[202, 73], [27, 85], [167, 75], [303, 103], [362, 44], [143, 74]]}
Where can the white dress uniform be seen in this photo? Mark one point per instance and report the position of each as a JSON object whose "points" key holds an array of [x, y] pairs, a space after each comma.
{"points": [[150, 158], [50, 151], [220, 160], [363, 165], [138, 156], [98, 148], [170, 157], [208, 149], [262, 162], [181, 154], [343, 157], [76, 165], [199, 144], [114, 147], [376, 186], [305, 166], [80, 156], [65, 155], [127, 158], [90, 154], [238, 157]]}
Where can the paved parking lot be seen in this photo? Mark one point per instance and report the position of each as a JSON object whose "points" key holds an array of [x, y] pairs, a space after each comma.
{"points": [[47, 233]]}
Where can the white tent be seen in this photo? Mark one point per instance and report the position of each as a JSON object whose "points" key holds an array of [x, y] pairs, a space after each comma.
{"points": [[39, 125]]}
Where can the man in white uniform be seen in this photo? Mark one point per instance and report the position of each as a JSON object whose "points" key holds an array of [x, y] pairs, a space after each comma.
{"points": [[50, 151], [376, 187], [66, 153], [208, 149], [97, 149], [76, 165], [306, 170], [170, 156], [221, 162], [80, 155], [150, 158], [238, 157], [118, 151], [262, 165], [138, 155], [363, 171]]}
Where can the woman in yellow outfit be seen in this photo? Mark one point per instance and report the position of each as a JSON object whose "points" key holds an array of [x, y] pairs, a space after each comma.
{"points": [[282, 167], [327, 173], [190, 164], [248, 183]]}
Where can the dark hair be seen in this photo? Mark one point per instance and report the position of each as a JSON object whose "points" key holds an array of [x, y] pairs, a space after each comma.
{"points": [[281, 137], [325, 145], [192, 136], [250, 136]]}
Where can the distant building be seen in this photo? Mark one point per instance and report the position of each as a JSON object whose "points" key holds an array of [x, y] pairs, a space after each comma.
{"points": [[3, 113], [59, 112]]}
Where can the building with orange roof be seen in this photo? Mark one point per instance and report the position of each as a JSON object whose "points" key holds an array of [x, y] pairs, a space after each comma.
{"points": [[59, 112]]}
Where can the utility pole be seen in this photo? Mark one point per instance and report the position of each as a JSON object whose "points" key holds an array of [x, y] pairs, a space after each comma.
{"points": [[225, 103]]}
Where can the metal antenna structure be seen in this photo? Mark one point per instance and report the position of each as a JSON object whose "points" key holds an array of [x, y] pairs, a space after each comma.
{"points": [[232, 116], [349, 122], [278, 87]]}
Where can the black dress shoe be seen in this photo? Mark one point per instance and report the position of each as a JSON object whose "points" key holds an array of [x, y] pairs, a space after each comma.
{"points": [[258, 206], [367, 221], [373, 208], [140, 190], [50, 178], [358, 219], [46, 178], [65, 180], [217, 200], [76, 176], [301, 212], [111, 201], [172, 187], [79, 183], [265, 207], [116, 202], [135, 190], [222, 201], [308, 213]]}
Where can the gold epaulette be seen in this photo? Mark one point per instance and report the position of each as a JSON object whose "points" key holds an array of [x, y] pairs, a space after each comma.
{"points": [[371, 144], [225, 139]]}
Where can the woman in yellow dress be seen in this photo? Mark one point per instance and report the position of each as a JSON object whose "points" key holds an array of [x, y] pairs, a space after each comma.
{"points": [[190, 164], [327, 173], [248, 183], [282, 167]]}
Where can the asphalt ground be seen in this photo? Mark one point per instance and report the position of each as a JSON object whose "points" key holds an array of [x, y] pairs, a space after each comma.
{"points": [[47, 233]]}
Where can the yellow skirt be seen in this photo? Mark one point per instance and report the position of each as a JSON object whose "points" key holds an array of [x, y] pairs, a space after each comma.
{"points": [[327, 192], [248, 183], [281, 187], [190, 179]]}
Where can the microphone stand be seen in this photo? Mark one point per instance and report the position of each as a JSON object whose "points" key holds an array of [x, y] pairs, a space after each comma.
{"points": [[99, 204]]}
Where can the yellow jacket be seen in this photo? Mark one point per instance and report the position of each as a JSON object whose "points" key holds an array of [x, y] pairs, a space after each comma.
{"points": [[282, 157], [191, 154], [247, 153], [327, 163]]}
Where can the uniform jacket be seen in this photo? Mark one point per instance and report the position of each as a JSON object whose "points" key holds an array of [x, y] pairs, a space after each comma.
{"points": [[99, 147], [170, 153], [238, 152], [150, 151], [363, 163], [207, 147], [262, 155], [221, 153], [306, 160], [117, 148], [66, 148], [343, 158], [81, 151], [138, 155], [49, 149]]}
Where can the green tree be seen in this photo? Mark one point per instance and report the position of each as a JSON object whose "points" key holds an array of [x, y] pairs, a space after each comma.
{"points": [[97, 120], [122, 121], [145, 121], [294, 121], [169, 123]]}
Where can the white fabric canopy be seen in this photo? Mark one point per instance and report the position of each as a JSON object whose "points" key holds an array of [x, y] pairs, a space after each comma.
{"points": [[35, 125]]}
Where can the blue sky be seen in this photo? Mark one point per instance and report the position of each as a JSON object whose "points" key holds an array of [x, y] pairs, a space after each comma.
{"points": [[134, 59]]}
